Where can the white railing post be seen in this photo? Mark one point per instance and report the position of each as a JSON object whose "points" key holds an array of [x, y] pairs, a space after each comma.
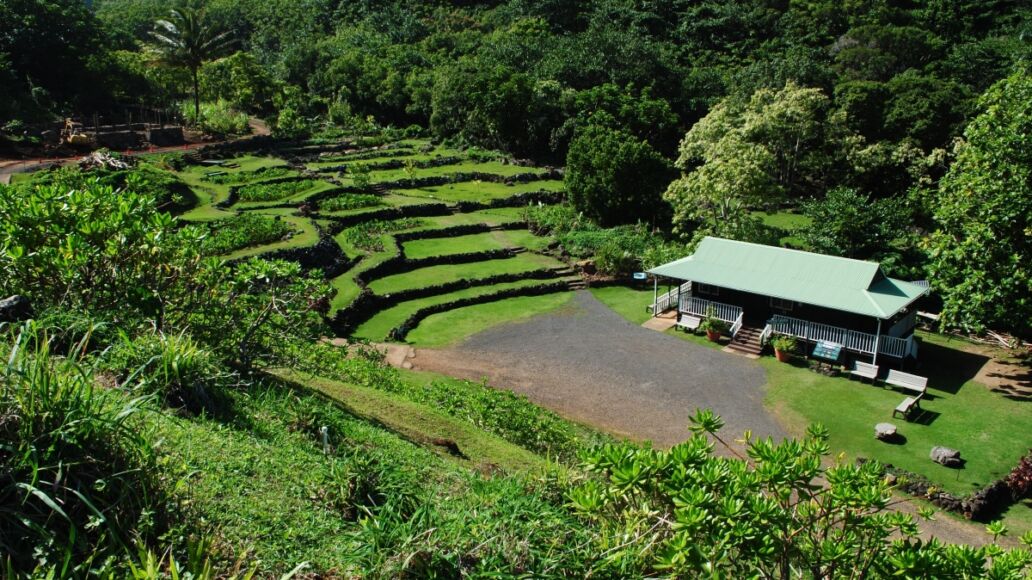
{"points": [[655, 296]]}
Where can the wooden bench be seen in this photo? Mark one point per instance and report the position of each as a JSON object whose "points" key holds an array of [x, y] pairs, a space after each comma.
{"points": [[907, 406], [689, 323], [907, 381], [865, 370]]}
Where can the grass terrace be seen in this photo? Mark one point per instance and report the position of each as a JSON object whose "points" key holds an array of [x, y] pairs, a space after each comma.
{"points": [[480, 190], [378, 327], [455, 272]]}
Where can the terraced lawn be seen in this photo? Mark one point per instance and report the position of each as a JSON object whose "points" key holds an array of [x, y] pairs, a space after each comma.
{"points": [[208, 194], [454, 272], [450, 327], [307, 235], [380, 325], [480, 190], [458, 245], [318, 187], [493, 167]]}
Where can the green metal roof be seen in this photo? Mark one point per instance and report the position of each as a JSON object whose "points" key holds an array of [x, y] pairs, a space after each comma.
{"points": [[829, 281]]}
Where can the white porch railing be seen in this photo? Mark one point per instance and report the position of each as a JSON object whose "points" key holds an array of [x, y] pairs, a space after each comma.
{"points": [[737, 325], [853, 340], [765, 335], [703, 308], [669, 299]]}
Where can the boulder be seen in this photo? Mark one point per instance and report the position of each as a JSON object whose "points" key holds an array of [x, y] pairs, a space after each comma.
{"points": [[884, 431], [946, 456], [586, 266], [15, 309]]}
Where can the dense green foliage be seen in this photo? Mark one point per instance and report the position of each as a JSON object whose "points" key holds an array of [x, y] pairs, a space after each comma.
{"points": [[79, 477], [348, 201], [273, 191], [848, 224], [368, 235], [247, 229], [773, 511], [982, 253], [613, 177]]}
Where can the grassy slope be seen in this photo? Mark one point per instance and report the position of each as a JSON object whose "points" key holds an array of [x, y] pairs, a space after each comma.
{"points": [[420, 424], [209, 194]]}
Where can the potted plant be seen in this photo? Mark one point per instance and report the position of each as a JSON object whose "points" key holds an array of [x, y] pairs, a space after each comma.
{"points": [[714, 327], [783, 345]]}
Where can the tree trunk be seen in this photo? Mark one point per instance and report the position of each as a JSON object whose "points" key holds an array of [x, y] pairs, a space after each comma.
{"points": [[196, 97]]}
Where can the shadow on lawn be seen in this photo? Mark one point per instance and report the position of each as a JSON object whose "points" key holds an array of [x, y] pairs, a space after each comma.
{"points": [[948, 368], [1017, 381]]}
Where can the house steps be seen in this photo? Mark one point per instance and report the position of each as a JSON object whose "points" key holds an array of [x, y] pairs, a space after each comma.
{"points": [[747, 341]]}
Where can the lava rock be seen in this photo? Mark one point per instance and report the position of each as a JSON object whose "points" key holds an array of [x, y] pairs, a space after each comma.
{"points": [[946, 456], [15, 309]]}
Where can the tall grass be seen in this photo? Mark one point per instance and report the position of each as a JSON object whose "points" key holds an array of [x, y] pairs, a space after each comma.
{"points": [[76, 475]]}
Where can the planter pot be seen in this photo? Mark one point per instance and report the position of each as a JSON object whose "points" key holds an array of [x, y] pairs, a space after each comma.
{"points": [[782, 356], [713, 335]]}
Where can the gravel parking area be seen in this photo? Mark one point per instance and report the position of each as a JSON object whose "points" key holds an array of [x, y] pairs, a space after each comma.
{"points": [[591, 365]]}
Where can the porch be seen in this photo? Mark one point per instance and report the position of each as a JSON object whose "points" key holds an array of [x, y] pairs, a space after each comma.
{"points": [[857, 342]]}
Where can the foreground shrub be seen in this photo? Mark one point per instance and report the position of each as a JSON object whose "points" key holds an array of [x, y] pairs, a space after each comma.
{"points": [[90, 248], [247, 229], [273, 191], [77, 477], [772, 511]]}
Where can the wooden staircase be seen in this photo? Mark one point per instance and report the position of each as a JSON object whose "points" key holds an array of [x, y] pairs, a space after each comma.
{"points": [[747, 341]]}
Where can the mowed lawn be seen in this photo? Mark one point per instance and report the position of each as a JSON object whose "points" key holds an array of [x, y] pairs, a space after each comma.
{"points": [[426, 248]]}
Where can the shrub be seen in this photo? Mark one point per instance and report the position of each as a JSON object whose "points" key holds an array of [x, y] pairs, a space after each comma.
{"points": [[171, 366], [217, 118], [247, 176], [247, 229], [78, 478], [369, 235], [711, 324], [1020, 479], [273, 191], [784, 343], [350, 201]]}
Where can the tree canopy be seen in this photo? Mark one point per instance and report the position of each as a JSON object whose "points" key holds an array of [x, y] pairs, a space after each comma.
{"points": [[981, 255]]}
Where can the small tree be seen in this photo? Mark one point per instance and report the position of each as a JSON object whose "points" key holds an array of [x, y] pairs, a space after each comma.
{"points": [[847, 223], [188, 39], [615, 178]]}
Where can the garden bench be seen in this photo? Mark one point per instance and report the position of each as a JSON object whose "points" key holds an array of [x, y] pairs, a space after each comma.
{"points": [[907, 406], [907, 381], [689, 323], [865, 370]]}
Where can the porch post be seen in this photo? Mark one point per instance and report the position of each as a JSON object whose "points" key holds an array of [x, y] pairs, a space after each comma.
{"points": [[655, 296], [877, 340]]}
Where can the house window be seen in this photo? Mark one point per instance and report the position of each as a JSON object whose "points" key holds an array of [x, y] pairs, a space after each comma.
{"points": [[782, 305], [708, 289]]}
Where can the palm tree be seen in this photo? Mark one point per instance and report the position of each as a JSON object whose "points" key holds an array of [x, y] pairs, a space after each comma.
{"points": [[188, 39]]}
